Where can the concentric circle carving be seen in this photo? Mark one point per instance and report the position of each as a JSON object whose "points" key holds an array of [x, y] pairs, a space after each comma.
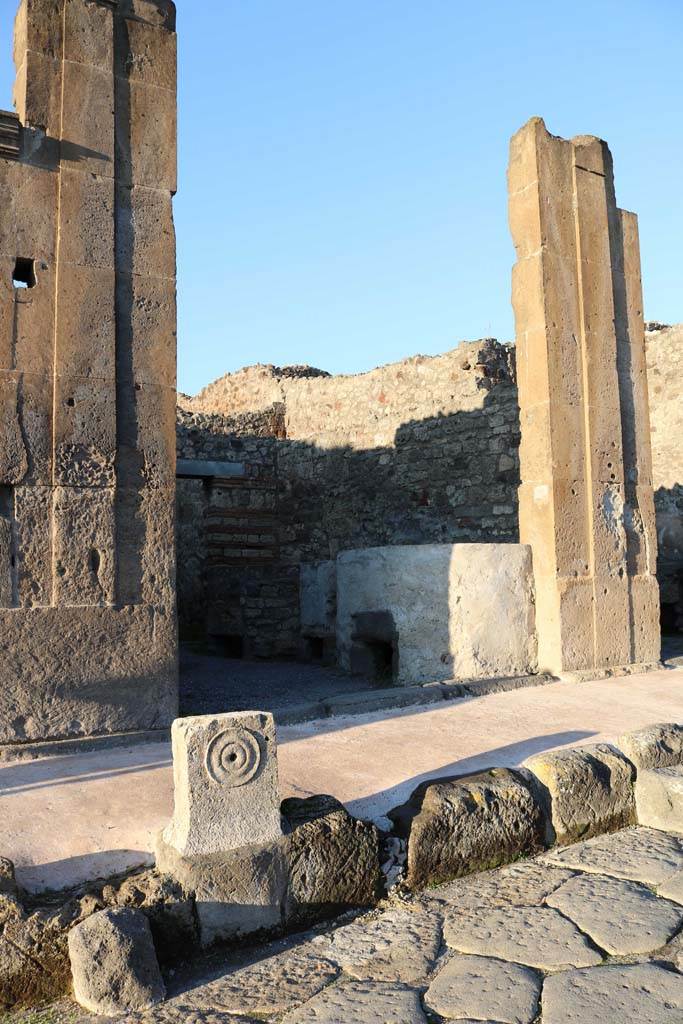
{"points": [[233, 757]]}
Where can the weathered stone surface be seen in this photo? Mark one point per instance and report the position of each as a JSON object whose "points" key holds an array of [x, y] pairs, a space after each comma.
{"points": [[672, 888], [642, 992], [622, 917], [641, 854], [34, 958], [8, 884], [659, 798], [439, 608], [274, 984], [113, 962], [333, 859], [518, 885], [318, 596], [398, 945], [74, 332], [657, 746], [588, 790], [482, 989], [237, 892], [361, 1001], [225, 783], [534, 936], [673, 952], [124, 678], [586, 497], [468, 824]]}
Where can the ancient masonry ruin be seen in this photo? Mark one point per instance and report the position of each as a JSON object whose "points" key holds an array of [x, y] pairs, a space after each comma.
{"points": [[87, 381], [305, 465], [362, 484], [586, 500]]}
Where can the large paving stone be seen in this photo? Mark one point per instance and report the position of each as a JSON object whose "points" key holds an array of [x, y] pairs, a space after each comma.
{"points": [[642, 854], [636, 994], [371, 1003], [483, 989], [659, 798], [587, 790], [469, 823], [672, 889], [275, 984], [622, 917], [534, 936], [399, 945], [516, 885]]}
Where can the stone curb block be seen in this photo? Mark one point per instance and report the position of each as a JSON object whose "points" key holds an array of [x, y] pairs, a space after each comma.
{"points": [[468, 823], [586, 791], [659, 798], [657, 746]]}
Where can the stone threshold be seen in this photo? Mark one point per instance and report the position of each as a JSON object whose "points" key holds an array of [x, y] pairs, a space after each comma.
{"points": [[396, 697]]}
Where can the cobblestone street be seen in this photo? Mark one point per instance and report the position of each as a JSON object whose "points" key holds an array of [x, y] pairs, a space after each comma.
{"points": [[586, 934]]}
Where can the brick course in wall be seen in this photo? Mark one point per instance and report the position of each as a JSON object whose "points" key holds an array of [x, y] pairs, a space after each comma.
{"points": [[421, 451]]}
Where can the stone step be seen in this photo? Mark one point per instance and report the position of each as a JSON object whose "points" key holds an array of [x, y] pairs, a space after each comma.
{"points": [[659, 798]]}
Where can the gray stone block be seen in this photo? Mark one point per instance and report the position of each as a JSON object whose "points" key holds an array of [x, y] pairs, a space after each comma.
{"points": [[225, 783], [656, 746], [237, 892], [468, 823], [113, 963], [485, 990], [333, 859], [587, 790], [659, 798]]}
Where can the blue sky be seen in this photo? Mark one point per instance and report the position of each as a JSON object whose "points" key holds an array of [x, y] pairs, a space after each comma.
{"points": [[342, 165]]}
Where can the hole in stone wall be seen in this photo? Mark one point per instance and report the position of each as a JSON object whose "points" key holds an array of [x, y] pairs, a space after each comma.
{"points": [[94, 561], [315, 648], [24, 274], [374, 659], [374, 648], [5, 502]]}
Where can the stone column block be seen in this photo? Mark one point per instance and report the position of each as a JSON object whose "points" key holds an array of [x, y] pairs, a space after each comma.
{"points": [[226, 783], [84, 545], [88, 118], [146, 151], [583, 399], [89, 35]]}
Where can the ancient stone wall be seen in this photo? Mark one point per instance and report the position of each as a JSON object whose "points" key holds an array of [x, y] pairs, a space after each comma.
{"points": [[422, 451], [664, 347], [87, 371]]}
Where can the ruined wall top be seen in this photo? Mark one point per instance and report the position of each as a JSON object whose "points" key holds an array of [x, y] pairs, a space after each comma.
{"points": [[364, 409]]}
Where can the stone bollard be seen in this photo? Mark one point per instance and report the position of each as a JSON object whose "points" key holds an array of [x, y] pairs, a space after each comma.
{"points": [[225, 840], [225, 783]]}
